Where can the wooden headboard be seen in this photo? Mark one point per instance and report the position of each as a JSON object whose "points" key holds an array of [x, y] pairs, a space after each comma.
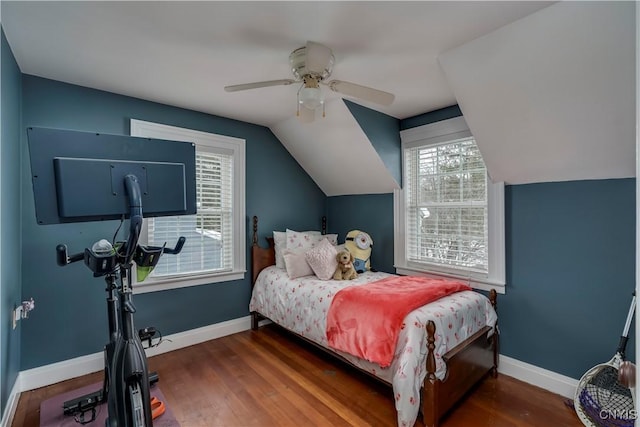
{"points": [[262, 258]]}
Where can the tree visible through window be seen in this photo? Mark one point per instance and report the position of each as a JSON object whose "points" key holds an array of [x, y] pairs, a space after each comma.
{"points": [[447, 205]]}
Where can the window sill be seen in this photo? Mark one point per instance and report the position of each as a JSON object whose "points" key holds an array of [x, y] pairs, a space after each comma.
{"points": [[155, 285], [475, 282]]}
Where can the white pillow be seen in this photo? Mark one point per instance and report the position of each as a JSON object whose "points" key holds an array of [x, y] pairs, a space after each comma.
{"points": [[303, 241], [296, 264], [280, 244], [322, 259]]}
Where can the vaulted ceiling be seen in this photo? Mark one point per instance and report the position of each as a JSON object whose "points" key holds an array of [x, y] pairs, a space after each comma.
{"points": [[546, 88], [551, 97]]}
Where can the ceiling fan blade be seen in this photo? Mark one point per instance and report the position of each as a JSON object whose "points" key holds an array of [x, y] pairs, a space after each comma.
{"points": [[306, 115], [318, 58], [362, 92], [236, 88]]}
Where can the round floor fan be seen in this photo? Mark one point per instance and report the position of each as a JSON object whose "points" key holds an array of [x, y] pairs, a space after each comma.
{"points": [[311, 65]]}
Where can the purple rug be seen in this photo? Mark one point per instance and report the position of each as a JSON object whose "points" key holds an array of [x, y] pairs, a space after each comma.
{"points": [[51, 410]]}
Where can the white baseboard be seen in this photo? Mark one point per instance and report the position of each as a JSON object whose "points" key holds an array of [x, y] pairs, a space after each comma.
{"points": [[61, 371], [12, 404], [196, 336], [72, 368], [540, 377]]}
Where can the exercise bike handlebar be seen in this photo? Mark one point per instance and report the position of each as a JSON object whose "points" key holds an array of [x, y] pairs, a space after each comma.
{"points": [[177, 249], [135, 225], [63, 258]]}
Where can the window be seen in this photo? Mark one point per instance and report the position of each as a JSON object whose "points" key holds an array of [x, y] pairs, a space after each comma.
{"points": [[214, 250], [449, 217]]}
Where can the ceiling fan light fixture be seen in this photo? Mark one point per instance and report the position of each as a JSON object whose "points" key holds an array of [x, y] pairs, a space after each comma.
{"points": [[310, 97]]}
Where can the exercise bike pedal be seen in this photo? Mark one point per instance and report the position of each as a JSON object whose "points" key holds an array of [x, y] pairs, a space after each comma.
{"points": [[146, 335], [90, 401], [84, 403], [153, 378]]}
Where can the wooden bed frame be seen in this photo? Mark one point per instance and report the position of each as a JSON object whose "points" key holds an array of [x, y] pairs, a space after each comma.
{"points": [[467, 363]]}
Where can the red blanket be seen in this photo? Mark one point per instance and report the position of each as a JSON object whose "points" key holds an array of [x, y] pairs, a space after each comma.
{"points": [[365, 320]]}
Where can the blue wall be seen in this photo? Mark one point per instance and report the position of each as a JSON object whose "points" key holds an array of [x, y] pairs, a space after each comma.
{"points": [[570, 272], [431, 117], [384, 134], [10, 278], [372, 213], [70, 319]]}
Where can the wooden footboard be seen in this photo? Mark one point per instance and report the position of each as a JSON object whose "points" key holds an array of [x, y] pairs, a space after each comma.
{"points": [[467, 363]]}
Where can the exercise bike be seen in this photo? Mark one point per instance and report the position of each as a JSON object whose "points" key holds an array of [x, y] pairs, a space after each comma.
{"points": [[126, 377]]}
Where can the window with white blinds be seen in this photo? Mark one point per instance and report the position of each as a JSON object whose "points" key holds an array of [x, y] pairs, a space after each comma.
{"points": [[214, 249], [209, 233], [449, 216], [446, 205]]}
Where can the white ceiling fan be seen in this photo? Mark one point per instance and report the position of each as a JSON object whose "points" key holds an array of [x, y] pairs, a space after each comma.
{"points": [[311, 65]]}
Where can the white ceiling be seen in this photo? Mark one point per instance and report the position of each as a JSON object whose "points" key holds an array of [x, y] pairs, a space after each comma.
{"points": [[552, 96], [184, 53]]}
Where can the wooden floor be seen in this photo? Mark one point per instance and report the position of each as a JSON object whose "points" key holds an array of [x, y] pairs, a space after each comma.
{"points": [[269, 378]]}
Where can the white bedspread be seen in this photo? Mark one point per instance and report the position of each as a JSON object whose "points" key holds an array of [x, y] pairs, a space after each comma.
{"points": [[301, 305]]}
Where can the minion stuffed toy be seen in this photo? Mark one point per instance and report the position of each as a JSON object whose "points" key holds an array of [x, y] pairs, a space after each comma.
{"points": [[359, 244]]}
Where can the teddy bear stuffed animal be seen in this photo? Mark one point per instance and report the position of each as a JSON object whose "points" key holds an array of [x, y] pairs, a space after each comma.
{"points": [[345, 270]]}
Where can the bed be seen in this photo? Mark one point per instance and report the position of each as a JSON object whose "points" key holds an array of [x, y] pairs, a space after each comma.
{"points": [[449, 346]]}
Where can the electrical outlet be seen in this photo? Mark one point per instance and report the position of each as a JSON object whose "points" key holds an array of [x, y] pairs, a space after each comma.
{"points": [[21, 311]]}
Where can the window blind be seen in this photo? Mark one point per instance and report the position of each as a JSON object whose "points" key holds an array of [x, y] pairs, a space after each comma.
{"points": [[209, 239], [446, 205]]}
